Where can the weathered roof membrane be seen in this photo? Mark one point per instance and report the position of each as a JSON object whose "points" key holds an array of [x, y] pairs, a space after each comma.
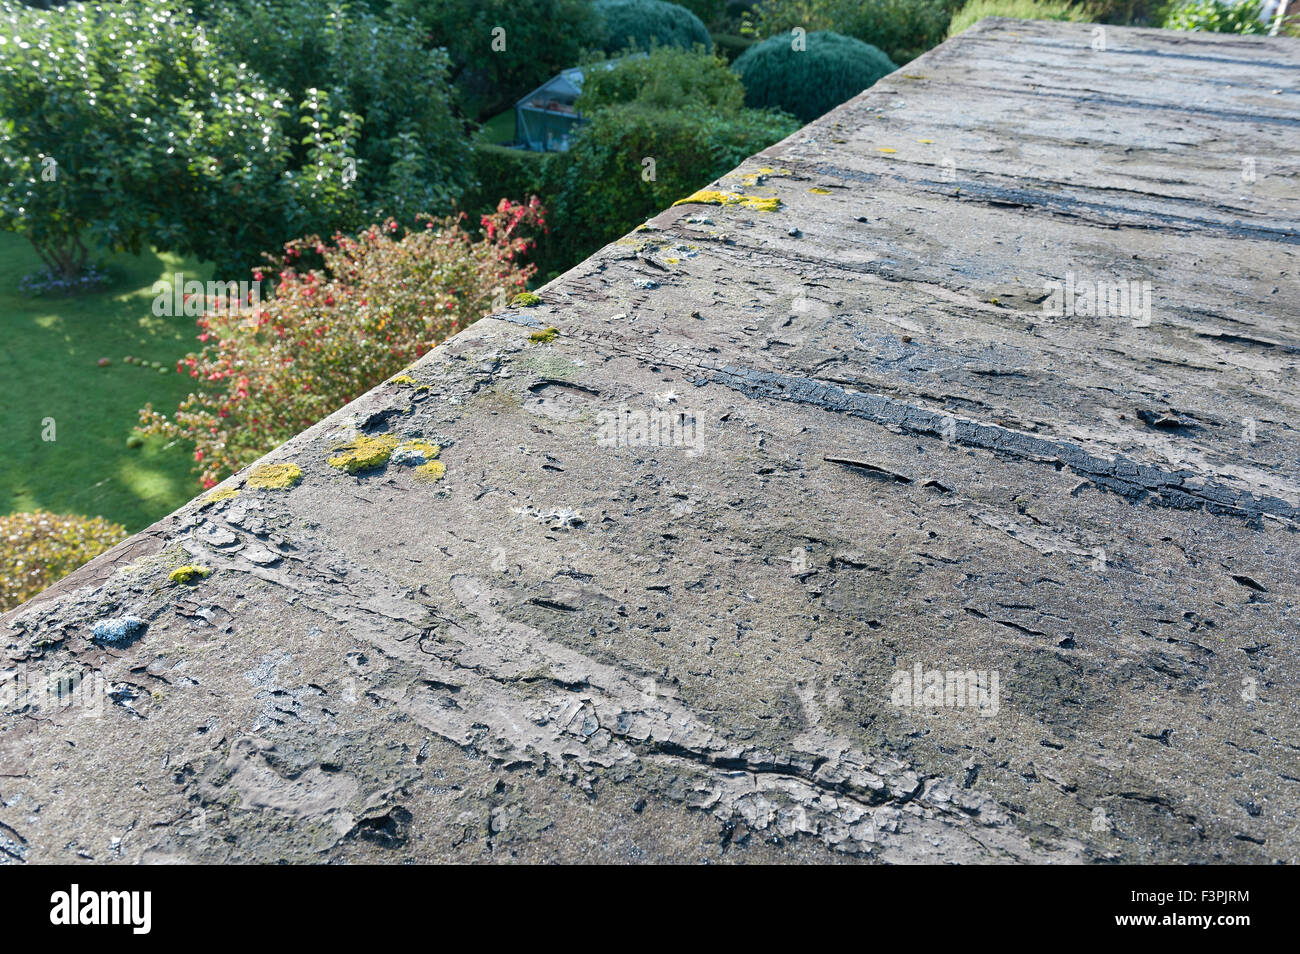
{"points": [[659, 600]]}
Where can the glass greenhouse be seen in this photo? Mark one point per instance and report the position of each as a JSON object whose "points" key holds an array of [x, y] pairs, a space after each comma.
{"points": [[545, 119]]}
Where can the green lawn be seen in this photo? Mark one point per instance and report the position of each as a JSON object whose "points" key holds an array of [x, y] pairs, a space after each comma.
{"points": [[500, 128], [48, 369]]}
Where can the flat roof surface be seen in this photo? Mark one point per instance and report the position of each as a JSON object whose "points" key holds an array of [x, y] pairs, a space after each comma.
{"points": [[708, 567]]}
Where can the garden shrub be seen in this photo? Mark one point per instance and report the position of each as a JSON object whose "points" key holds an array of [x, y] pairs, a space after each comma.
{"points": [[124, 128], [710, 12], [668, 78], [901, 29], [643, 24], [976, 10], [41, 548], [808, 82], [411, 154], [329, 333], [1217, 16], [540, 37], [501, 170], [599, 192]]}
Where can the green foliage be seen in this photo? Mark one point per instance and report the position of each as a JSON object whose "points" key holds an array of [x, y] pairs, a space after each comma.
{"points": [[410, 154], [1130, 12], [40, 548], [503, 171], [668, 78], [731, 45], [709, 11], [601, 188], [976, 10], [642, 24], [1217, 16], [808, 82], [123, 127], [540, 37], [902, 29]]}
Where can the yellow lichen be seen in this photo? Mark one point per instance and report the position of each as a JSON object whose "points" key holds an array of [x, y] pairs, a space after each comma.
{"points": [[274, 476], [714, 197], [217, 496], [363, 453], [526, 299], [887, 149], [403, 379], [415, 451], [819, 191], [188, 573], [431, 471], [544, 336]]}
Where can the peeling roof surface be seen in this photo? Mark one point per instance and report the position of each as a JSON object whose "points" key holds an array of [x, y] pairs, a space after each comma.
{"points": [[673, 582]]}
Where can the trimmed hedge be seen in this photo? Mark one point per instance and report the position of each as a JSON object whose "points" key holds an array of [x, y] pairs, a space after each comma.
{"points": [[643, 24], [599, 191], [902, 29], [809, 82], [669, 78]]}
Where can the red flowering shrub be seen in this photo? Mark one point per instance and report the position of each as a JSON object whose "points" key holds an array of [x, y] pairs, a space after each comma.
{"points": [[328, 334]]}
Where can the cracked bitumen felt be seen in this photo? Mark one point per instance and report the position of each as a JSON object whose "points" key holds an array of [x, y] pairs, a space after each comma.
{"points": [[698, 556]]}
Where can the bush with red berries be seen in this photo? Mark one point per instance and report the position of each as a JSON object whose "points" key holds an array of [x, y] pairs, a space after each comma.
{"points": [[366, 307]]}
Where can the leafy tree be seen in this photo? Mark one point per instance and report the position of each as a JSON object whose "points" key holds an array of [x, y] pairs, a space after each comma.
{"points": [[122, 126], [500, 50], [410, 152], [810, 78]]}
